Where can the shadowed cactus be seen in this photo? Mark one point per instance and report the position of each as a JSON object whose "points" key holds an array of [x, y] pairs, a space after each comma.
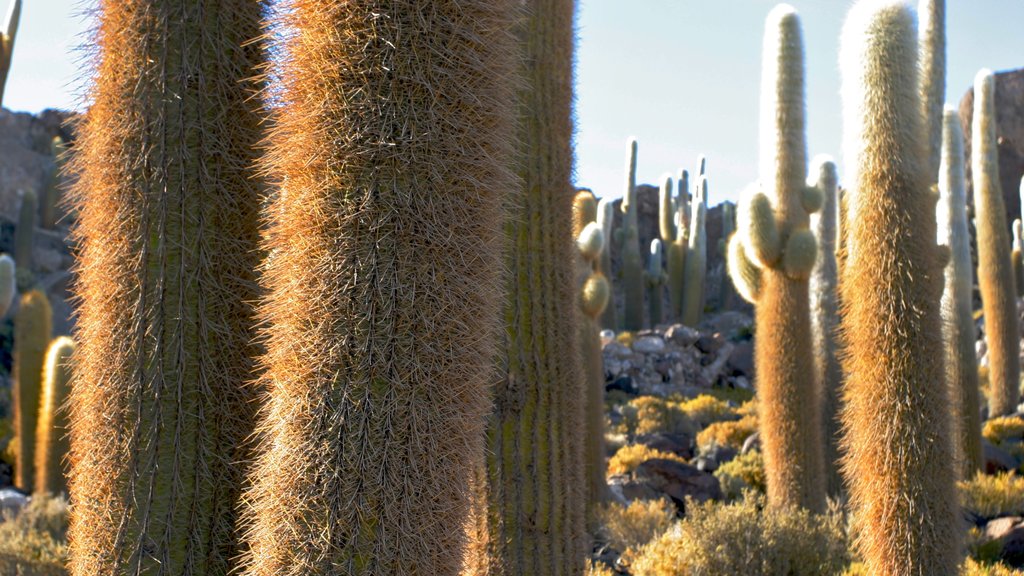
{"points": [[24, 234], [393, 146], [32, 326], [10, 31], [728, 229], [695, 265], [51, 195], [1016, 257], [995, 269], [629, 245], [51, 432], [774, 239], [655, 277], [8, 283], [899, 462], [605, 216], [673, 239], [162, 400], [957, 317], [824, 301], [932, 42]]}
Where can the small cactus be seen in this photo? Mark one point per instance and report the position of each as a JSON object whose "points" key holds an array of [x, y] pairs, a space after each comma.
{"points": [[52, 429], [32, 327], [655, 280]]}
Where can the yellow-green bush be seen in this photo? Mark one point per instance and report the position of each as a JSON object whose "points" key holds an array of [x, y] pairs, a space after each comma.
{"points": [[992, 496], [33, 542], [745, 538], [745, 472], [974, 568], [648, 414], [629, 457], [625, 527], [704, 410], [731, 433], [599, 569], [998, 430]]}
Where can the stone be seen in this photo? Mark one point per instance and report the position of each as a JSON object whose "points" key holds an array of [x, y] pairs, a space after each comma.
{"points": [[649, 345], [676, 443], [622, 384], [1009, 532], [681, 335], [678, 480], [997, 459], [12, 501], [709, 343], [741, 360]]}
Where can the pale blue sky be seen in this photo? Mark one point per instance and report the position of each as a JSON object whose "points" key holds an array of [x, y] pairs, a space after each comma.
{"points": [[680, 75]]}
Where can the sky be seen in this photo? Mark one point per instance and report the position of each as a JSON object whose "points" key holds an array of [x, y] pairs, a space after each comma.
{"points": [[682, 76]]}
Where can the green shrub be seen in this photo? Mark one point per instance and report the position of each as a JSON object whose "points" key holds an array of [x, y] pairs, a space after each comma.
{"points": [[992, 496], [625, 527], [745, 472], [33, 543]]}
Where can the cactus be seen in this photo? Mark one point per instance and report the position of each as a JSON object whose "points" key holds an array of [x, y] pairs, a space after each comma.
{"points": [[1016, 258], [51, 196], [773, 232], [52, 429], [605, 216], [655, 277], [32, 326], [728, 229], [825, 315], [932, 42], [23, 237], [995, 270], [7, 43], [696, 257], [632, 262], [162, 400], [957, 319], [8, 287], [673, 239], [898, 463]]}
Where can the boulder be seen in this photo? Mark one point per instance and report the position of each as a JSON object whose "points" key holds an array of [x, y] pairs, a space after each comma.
{"points": [[677, 480]]}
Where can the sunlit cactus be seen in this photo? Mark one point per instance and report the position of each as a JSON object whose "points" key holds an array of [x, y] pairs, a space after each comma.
{"points": [[957, 317], [932, 42], [32, 327], [655, 277], [896, 414], [52, 429], [695, 266], [167, 235], [995, 268], [673, 240]]}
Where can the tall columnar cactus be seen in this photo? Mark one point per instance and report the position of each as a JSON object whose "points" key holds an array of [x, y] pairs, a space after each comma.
{"points": [[673, 240], [995, 271], [774, 237], [168, 229], [957, 318], [824, 300], [393, 145], [51, 196], [629, 237], [52, 429], [899, 463], [10, 31], [1017, 257], [728, 229], [695, 266], [24, 232], [8, 283], [655, 277], [683, 206], [605, 218], [932, 42], [32, 326]]}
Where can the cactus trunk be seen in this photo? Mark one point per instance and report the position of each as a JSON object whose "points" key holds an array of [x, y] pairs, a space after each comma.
{"points": [[32, 326], [51, 433], [162, 400], [632, 261], [899, 463], [695, 265]]}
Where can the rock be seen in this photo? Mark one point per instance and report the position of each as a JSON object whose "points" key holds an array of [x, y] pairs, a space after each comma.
{"points": [[1009, 532], [713, 456], [12, 501], [997, 459], [649, 345], [753, 442], [677, 480], [682, 336], [622, 384], [741, 360], [677, 443], [709, 343], [625, 490], [615, 349]]}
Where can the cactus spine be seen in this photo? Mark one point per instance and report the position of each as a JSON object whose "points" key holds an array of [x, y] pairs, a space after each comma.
{"points": [[7, 43], [899, 463], [932, 41], [32, 326], [655, 281], [773, 230], [605, 218], [957, 319], [632, 262], [162, 400], [673, 239], [824, 301], [995, 270], [695, 266], [52, 429], [51, 197]]}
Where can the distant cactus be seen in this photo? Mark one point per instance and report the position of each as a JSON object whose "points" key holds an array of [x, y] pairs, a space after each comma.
{"points": [[824, 300], [632, 262], [774, 236], [932, 42], [673, 240], [655, 277], [695, 266], [957, 318], [51, 196], [10, 31], [8, 286], [605, 217], [899, 461], [995, 269], [1017, 257], [24, 233], [745, 274], [32, 326], [167, 246], [52, 429]]}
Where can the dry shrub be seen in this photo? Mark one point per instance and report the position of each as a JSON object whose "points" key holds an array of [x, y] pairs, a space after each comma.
{"points": [[648, 414], [629, 457], [599, 569], [975, 568], [745, 472], [992, 496], [33, 543], [728, 433], [745, 538], [625, 527], [998, 430], [704, 410]]}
